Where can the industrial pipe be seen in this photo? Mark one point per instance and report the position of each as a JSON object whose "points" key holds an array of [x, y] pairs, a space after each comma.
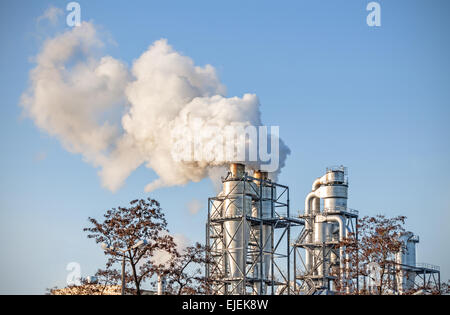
{"points": [[343, 232], [308, 258]]}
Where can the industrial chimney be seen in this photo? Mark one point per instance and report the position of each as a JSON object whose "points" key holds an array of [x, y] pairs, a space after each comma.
{"points": [[242, 221]]}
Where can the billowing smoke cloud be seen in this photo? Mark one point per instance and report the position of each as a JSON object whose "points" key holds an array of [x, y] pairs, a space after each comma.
{"points": [[120, 118], [72, 102]]}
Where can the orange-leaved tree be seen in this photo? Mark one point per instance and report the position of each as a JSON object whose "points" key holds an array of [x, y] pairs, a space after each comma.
{"points": [[124, 227]]}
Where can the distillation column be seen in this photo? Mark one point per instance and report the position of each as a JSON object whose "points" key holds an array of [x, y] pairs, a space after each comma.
{"points": [[406, 263], [325, 228], [236, 206], [241, 235], [263, 234]]}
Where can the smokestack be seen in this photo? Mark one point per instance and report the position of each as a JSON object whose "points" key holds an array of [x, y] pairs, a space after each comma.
{"points": [[240, 231], [260, 175], [237, 170]]}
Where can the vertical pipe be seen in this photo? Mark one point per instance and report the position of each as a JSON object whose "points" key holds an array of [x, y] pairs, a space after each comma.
{"points": [[309, 226], [357, 257], [295, 269], [439, 282], [272, 267], [288, 248], [161, 285], [123, 274], [244, 256], [236, 233], [261, 240], [272, 240], [424, 278], [343, 232], [208, 244]]}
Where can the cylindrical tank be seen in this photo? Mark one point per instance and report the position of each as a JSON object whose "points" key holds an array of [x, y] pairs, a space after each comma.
{"points": [[319, 235], [411, 251], [263, 208], [236, 234], [332, 188], [334, 196], [406, 258], [237, 170], [238, 203], [407, 255], [335, 177]]}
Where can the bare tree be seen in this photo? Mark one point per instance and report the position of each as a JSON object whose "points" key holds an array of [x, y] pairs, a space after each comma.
{"points": [[372, 256], [185, 271], [122, 228]]}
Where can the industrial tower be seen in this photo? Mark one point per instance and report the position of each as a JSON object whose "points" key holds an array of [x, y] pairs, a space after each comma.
{"points": [[249, 235], [328, 222]]}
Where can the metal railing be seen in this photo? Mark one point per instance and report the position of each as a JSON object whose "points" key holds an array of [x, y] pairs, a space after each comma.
{"points": [[334, 210], [340, 209], [335, 168], [428, 266]]}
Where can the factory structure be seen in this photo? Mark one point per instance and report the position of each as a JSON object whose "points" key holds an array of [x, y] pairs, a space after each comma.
{"points": [[248, 222], [258, 246], [324, 228]]}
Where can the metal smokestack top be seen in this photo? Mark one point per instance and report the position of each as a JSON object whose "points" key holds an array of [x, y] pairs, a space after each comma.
{"points": [[237, 170], [260, 175]]}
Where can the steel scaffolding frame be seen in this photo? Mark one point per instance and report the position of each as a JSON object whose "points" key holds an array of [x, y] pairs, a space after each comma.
{"points": [[307, 281], [280, 224], [426, 277]]}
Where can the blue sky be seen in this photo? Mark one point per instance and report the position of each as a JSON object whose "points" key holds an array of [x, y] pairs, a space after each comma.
{"points": [[373, 99]]}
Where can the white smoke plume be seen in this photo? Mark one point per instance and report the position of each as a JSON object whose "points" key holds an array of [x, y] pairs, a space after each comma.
{"points": [[120, 118]]}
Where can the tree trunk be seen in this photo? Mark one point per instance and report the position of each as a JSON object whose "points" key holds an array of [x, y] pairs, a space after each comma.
{"points": [[136, 281]]}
